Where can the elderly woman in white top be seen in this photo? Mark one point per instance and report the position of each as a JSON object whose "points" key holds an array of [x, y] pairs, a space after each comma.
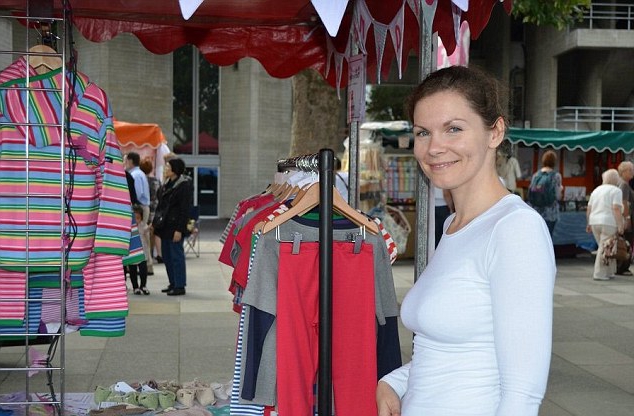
{"points": [[605, 219]]}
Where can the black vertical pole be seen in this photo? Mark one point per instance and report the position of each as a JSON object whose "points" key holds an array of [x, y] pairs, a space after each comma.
{"points": [[324, 387]]}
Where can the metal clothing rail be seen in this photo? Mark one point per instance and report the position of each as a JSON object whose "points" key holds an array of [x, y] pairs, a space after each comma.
{"points": [[39, 17], [305, 163], [323, 162]]}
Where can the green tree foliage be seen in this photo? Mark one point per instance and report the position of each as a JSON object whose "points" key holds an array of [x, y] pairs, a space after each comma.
{"points": [[386, 102], [557, 13]]}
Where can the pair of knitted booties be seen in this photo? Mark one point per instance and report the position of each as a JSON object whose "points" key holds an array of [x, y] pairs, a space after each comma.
{"points": [[146, 399], [196, 390]]}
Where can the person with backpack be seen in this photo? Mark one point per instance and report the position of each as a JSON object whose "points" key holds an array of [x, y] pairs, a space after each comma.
{"points": [[545, 189]]}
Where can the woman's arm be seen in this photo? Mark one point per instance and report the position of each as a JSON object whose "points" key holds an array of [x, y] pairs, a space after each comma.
{"points": [[387, 401], [588, 212], [521, 267], [184, 196], [618, 217], [390, 391]]}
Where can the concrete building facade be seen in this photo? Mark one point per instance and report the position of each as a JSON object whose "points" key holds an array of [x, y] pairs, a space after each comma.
{"points": [[255, 130], [579, 67]]}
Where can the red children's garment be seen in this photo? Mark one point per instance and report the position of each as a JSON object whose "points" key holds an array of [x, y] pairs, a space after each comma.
{"points": [[353, 330]]}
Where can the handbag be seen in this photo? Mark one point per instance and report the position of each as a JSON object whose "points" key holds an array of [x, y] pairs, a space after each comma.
{"points": [[159, 219], [622, 249], [617, 248]]}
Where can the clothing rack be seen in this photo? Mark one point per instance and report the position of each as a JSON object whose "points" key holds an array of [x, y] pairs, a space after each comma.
{"points": [[305, 163], [39, 17], [323, 162]]}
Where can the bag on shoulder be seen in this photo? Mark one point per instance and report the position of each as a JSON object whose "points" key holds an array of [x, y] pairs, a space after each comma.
{"points": [[159, 219], [541, 191]]}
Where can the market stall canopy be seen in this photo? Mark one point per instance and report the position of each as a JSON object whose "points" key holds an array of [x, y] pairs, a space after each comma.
{"points": [[397, 134], [284, 36], [612, 141], [139, 135]]}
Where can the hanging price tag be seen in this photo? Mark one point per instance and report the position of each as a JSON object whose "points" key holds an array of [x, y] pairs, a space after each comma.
{"points": [[356, 88]]}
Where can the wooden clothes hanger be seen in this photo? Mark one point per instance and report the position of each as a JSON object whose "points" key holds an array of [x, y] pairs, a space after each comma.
{"points": [[309, 200], [341, 206], [271, 188], [291, 190], [44, 63], [280, 190], [300, 193]]}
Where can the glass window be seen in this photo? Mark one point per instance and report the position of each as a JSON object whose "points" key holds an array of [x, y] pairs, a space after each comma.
{"points": [[208, 103], [182, 101], [204, 85]]}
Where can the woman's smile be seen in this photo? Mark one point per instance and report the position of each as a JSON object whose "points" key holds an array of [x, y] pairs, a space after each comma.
{"points": [[441, 166]]}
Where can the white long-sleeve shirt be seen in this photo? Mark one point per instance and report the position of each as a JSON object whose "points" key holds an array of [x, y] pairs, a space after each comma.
{"points": [[482, 316]]}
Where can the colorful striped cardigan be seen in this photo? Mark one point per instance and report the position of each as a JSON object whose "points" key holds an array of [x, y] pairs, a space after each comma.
{"points": [[31, 204]]}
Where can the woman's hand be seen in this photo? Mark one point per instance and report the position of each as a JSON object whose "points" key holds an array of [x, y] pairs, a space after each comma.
{"points": [[387, 401], [621, 228], [588, 228], [177, 236]]}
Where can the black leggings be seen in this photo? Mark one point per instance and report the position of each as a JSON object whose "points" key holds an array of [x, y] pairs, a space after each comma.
{"points": [[142, 268]]}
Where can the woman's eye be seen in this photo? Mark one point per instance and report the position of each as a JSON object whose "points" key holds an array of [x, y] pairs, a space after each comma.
{"points": [[421, 133], [454, 129]]}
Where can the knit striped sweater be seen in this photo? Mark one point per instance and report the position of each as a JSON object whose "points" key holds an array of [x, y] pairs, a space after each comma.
{"points": [[32, 220], [30, 165]]}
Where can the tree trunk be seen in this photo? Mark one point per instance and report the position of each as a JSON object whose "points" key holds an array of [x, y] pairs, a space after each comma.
{"points": [[317, 115]]}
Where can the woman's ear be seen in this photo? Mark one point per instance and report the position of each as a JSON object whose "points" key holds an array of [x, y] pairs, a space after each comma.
{"points": [[497, 132]]}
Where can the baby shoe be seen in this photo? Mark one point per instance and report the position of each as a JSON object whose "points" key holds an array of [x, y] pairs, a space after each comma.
{"points": [[149, 400], [186, 397], [205, 396], [131, 398], [171, 385], [203, 392], [219, 391], [101, 394], [115, 397], [166, 399]]}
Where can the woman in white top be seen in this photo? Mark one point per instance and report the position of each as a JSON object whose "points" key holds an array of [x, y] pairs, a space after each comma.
{"points": [[481, 311], [508, 169], [605, 219]]}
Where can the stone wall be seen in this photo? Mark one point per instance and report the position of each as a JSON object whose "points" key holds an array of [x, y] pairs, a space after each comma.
{"points": [[137, 82], [255, 130]]}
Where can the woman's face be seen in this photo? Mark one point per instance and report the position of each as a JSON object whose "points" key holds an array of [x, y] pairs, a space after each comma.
{"points": [[452, 144], [167, 171]]}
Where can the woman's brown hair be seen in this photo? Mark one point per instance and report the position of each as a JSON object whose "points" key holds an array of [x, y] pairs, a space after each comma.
{"points": [[549, 159]]}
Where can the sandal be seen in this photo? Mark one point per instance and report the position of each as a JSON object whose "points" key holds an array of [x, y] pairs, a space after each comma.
{"points": [[137, 291], [145, 291]]}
